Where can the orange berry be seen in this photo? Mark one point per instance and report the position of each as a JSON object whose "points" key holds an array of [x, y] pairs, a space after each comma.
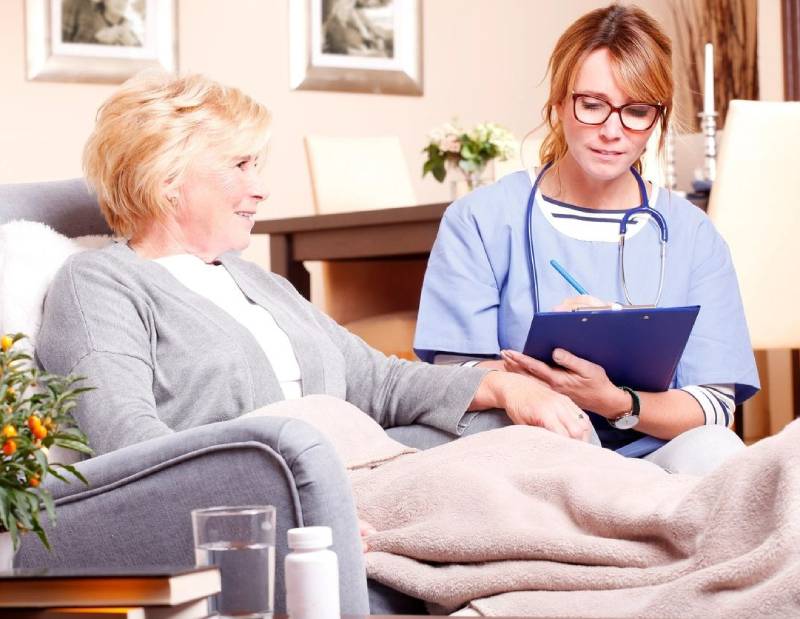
{"points": [[9, 447], [39, 432], [6, 342], [34, 421], [9, 431], [34, 482]]}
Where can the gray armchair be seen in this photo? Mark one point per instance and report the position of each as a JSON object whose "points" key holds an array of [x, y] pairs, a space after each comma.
{"points": [[135, 512]]}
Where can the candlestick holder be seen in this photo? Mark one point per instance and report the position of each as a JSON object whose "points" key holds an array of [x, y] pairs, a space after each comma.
{"points": [[708, 124], [670, 174]]}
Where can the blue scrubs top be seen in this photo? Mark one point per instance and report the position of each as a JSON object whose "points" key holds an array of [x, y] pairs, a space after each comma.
{"points": [[476, 297]]}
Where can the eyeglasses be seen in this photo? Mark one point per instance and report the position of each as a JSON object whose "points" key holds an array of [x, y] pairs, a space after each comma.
{"points": [[591, 110]]}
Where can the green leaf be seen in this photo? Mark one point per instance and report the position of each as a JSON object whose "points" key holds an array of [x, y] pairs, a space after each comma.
{"points": [[42, 536], [5, 509], [73, 445], [49, 505], [439, 172], [51, 470], [20, 509], [74, 471], [13, 531], [41, 460]]}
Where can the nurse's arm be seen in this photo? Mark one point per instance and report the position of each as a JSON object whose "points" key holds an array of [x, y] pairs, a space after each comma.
{"points": [[663, 415]]}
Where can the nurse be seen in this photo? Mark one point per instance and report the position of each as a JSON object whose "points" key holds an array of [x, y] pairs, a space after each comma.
{"points": [[610, 86]]}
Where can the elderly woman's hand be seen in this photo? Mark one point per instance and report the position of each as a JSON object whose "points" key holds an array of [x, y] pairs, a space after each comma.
{"points": [[365, 529], [583, 382], [529, 401]]}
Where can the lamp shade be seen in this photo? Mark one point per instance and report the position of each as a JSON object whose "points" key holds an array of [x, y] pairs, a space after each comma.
{"points": [[755, 204]]}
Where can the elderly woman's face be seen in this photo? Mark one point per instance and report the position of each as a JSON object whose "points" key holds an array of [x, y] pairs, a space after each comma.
{"points": [[217, 204]]}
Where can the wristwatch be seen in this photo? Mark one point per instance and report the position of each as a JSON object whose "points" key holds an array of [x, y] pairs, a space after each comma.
{"points": [[628, 420]]}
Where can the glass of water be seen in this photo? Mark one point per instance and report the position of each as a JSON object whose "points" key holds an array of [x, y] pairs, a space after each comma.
{"points": [[240, 541]]}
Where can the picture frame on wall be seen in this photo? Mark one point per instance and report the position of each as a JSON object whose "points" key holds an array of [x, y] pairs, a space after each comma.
{"points": [[101, 41], [366, 46]]}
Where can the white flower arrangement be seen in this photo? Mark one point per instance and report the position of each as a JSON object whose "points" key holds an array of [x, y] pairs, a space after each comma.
{"points": [[469, 151]]}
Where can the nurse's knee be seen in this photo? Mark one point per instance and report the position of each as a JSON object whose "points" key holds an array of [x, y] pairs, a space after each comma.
{"points": [[718, 440], [698, 451]]}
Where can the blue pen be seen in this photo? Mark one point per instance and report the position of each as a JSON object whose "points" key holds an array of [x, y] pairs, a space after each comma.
{"points": [[568, 277]]}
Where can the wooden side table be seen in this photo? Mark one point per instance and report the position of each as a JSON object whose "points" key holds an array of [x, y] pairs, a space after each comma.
{"points": [[405, 232]]}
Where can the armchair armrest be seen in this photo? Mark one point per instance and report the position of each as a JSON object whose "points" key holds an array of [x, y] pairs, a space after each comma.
{"points": [[136, 510]]}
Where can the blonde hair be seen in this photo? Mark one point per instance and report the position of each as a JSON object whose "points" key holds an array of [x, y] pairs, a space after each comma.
{"points": [[148, 133], [641, 60]]}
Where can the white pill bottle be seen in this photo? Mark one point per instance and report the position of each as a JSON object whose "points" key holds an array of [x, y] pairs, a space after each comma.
{"points": [[312, 574]]}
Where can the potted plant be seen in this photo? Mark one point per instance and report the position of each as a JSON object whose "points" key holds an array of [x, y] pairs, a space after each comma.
{"points": [[468, 151], [34, 417]]}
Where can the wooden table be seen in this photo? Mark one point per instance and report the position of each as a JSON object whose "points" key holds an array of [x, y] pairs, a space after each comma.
{"points": [[405, 232]]}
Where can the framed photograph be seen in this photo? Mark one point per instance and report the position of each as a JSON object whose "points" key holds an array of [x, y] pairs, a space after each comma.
{"points": [[103, 41], [372, 46]]}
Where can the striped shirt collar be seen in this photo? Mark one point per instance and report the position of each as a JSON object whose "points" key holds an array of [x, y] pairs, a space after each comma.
{"points": [[588, 224]]}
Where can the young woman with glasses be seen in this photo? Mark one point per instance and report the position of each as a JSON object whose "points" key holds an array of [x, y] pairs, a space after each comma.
{"points": [[610, 85]]}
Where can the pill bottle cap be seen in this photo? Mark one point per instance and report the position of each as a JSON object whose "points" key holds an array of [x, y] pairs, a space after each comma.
{"points": [[309, 538]]}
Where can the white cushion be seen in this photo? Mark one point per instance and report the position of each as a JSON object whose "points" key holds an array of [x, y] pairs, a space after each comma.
{"points": [[30, 255]]}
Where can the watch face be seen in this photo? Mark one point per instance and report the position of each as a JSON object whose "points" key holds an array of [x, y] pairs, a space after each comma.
{"points": [[626, 423]]}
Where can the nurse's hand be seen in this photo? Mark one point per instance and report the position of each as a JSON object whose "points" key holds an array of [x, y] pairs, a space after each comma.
{"points": [[581, 301], [583, 382], [530, 402]]}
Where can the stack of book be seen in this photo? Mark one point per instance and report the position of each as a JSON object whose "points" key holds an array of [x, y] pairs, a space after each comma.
{"points": [[108, 593]]}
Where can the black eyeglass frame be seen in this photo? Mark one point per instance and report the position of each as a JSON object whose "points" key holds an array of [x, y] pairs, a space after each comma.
{"points": [[613, 108]]}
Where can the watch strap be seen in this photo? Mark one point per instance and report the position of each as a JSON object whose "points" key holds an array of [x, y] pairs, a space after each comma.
{"points": [[635, 404]]}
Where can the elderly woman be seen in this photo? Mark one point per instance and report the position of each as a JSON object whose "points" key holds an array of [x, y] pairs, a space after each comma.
{"points": [[175, 330]]}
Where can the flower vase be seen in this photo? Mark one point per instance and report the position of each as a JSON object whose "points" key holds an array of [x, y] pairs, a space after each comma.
{"points": [[6, 552], [471, 181]]}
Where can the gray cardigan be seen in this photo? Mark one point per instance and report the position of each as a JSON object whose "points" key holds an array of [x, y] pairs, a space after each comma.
{"points": [[163, 358]]}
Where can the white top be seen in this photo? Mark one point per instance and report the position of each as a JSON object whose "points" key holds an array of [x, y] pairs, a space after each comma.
{"points": [[587, 224], [213, 282]]}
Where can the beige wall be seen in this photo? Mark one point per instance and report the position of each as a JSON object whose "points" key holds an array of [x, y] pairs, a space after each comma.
{"points": [[770, 50], [483, 60]]}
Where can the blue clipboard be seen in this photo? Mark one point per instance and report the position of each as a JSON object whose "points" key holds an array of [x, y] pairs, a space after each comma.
{"points": [[638, 348]]}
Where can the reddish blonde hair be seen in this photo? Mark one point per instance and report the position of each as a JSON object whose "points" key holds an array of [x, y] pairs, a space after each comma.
{"points": [[151, 129], [641, 60]]}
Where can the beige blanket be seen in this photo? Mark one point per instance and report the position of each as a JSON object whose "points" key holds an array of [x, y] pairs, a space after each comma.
{"points": [[521, 522]]}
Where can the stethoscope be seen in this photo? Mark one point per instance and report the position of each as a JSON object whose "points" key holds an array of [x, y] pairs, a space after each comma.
{"points": [[643, 208]]}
